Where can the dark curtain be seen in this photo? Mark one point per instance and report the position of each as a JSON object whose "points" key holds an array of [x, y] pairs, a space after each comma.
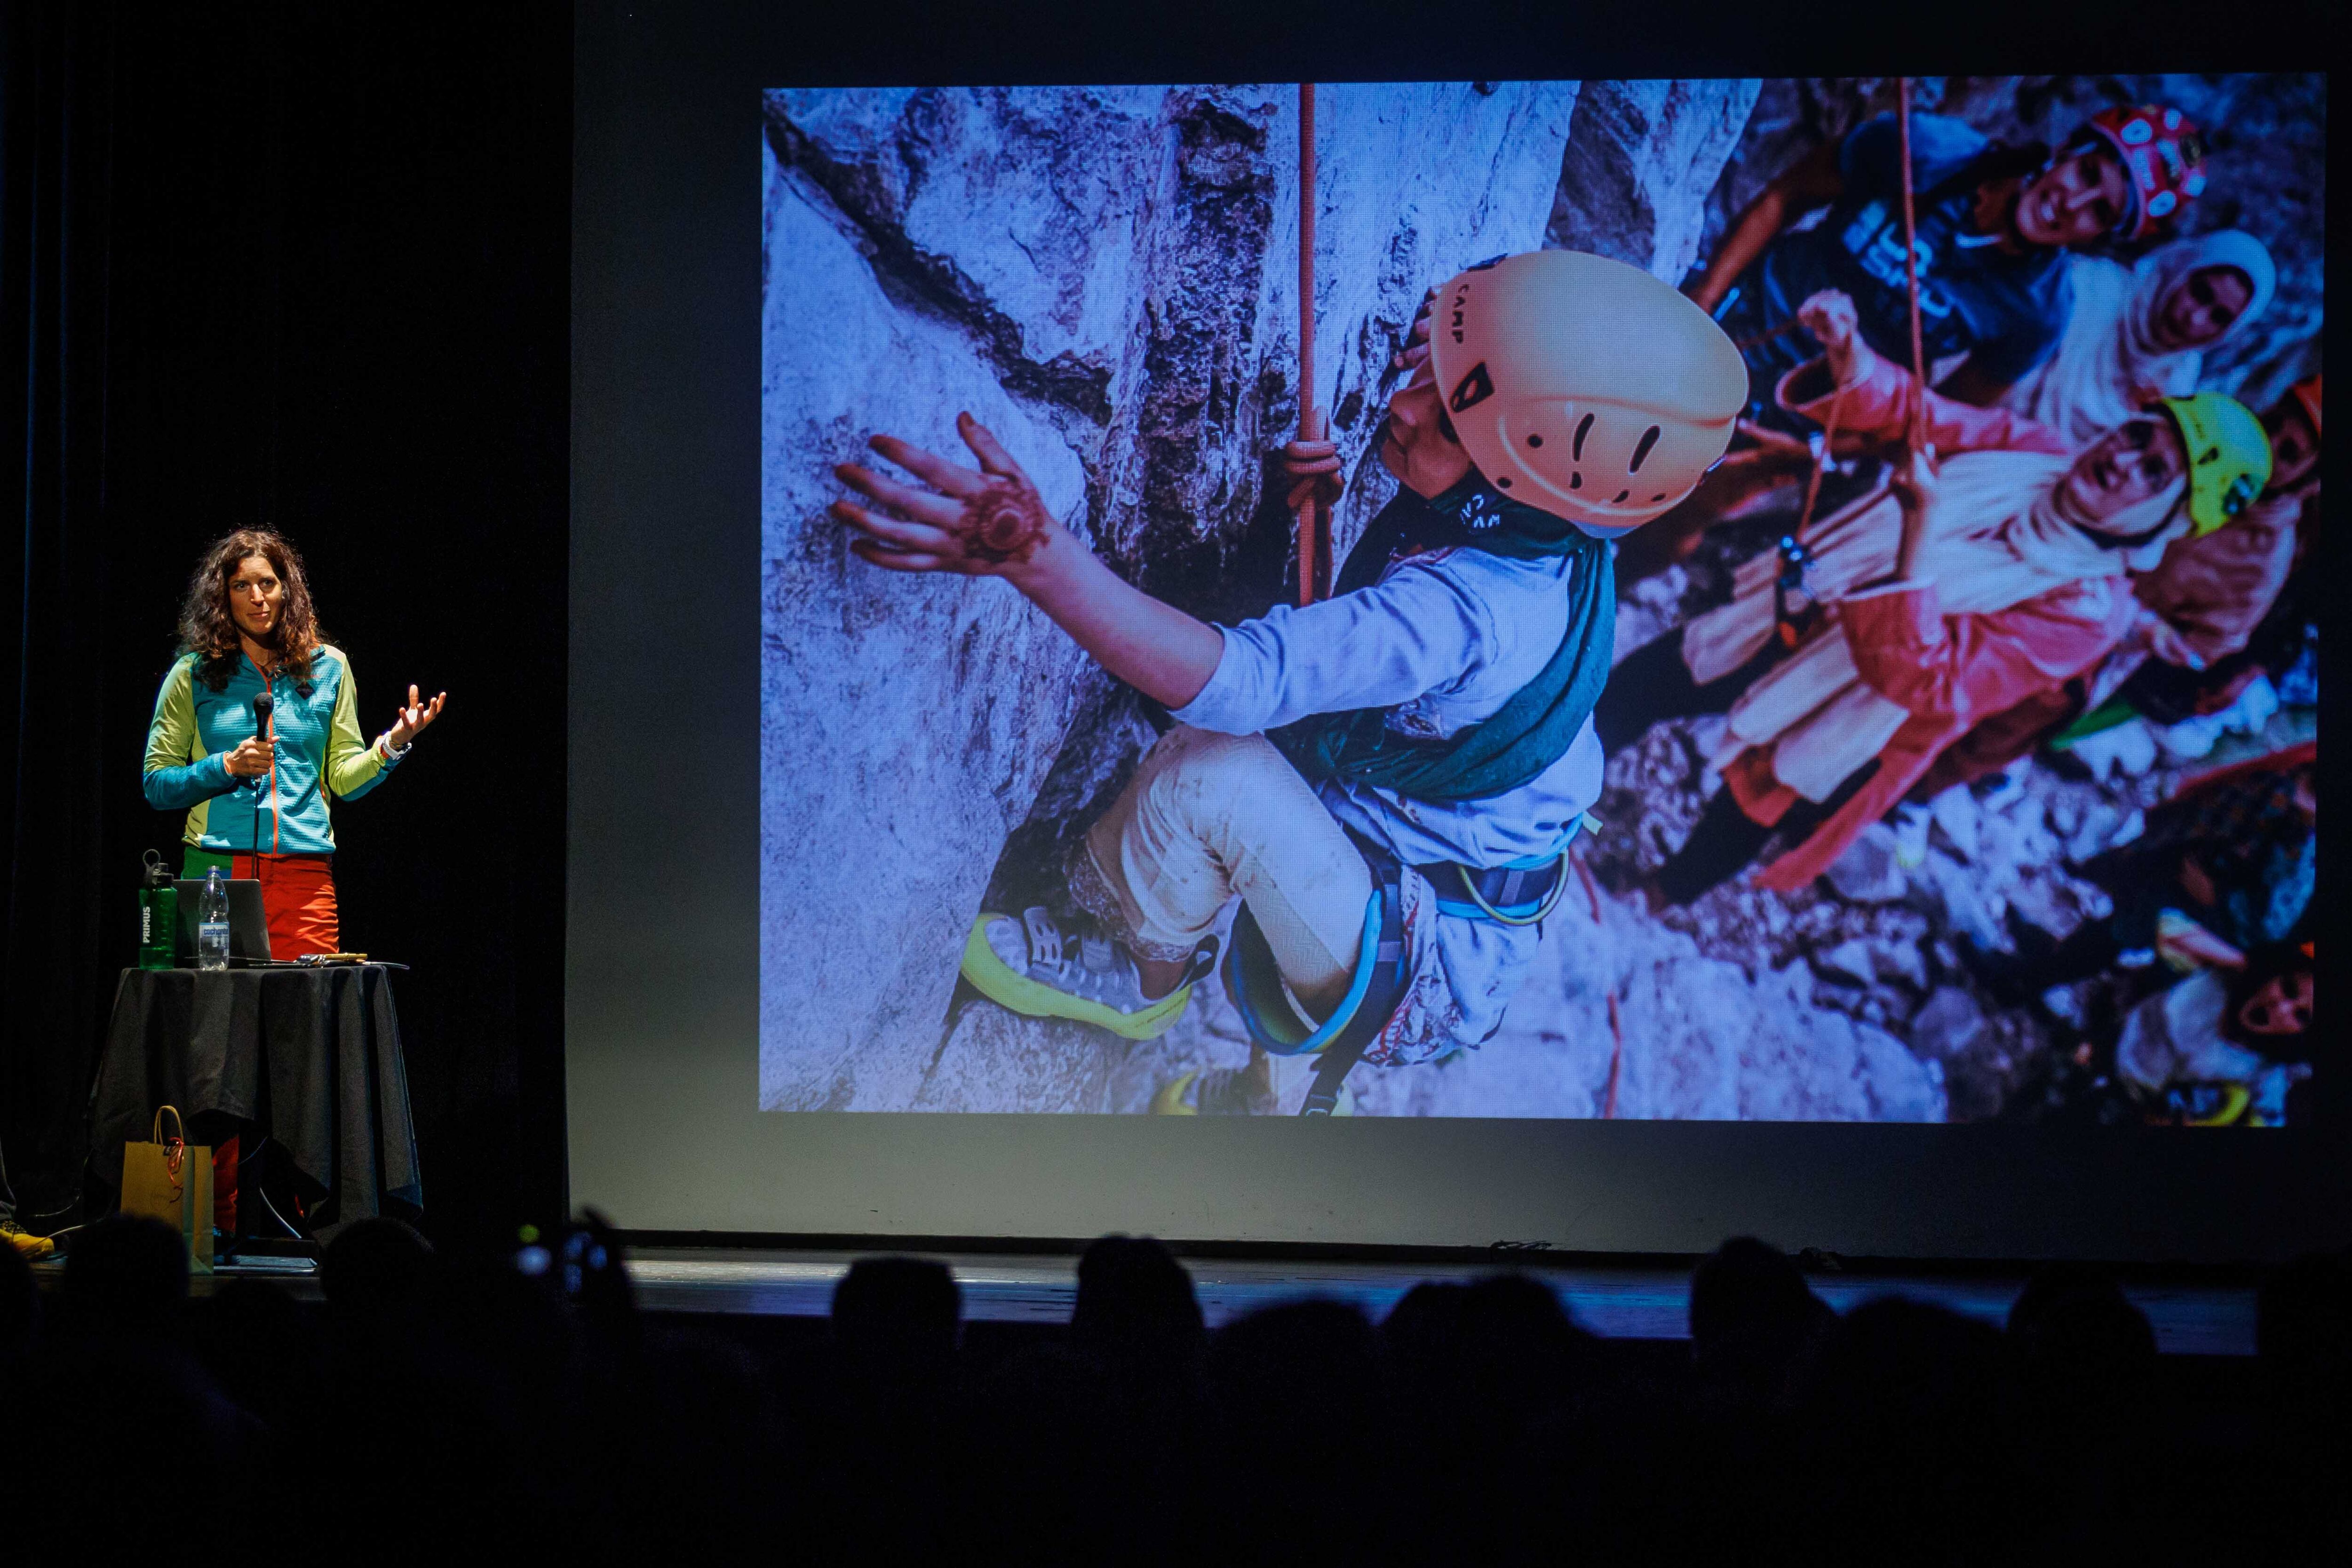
{"points": [[307, 268]]}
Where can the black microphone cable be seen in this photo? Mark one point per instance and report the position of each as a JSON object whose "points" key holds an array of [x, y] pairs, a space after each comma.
{"points": [[264, 706]]}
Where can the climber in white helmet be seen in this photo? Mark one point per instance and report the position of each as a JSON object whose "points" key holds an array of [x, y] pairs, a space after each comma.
{"points": [[1389, 779]]}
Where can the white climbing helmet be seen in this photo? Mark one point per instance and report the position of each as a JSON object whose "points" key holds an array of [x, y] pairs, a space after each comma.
{"points": [[1584, 387]]}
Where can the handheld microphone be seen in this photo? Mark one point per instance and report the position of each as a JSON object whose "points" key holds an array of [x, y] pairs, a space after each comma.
{"points": [[261, 708]]}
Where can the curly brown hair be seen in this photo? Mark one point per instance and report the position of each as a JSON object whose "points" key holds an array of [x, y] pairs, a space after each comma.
{"points": [[208, 631]]}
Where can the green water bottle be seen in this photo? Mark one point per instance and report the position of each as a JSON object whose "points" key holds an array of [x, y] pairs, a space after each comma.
{"points": [[159, 912]]}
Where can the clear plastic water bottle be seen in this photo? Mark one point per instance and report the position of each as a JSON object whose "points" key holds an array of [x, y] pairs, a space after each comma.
{"points": [[212, 923]]}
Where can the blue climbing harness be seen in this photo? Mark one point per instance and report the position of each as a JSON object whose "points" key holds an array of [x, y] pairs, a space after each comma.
{"points": [[1519, 893]]}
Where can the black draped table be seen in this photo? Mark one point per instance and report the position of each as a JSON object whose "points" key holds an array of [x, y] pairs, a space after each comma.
{"points": [[310, 1056]]}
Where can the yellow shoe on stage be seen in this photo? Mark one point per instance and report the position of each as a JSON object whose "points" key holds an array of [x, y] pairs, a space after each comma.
{"points": [[25, 1243]]}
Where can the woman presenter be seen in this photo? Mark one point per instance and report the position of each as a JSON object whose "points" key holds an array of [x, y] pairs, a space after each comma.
{"points": [[255, 790]]}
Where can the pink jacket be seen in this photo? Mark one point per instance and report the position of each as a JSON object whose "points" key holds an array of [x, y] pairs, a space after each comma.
{"points": [[1879, 405], [1948, 670]]}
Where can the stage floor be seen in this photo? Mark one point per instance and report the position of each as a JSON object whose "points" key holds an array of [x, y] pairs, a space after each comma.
{"points": [[1617, 1302]]}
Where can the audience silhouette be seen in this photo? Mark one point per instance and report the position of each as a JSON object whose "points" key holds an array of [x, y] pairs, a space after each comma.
{"points": [[519, 1401]]}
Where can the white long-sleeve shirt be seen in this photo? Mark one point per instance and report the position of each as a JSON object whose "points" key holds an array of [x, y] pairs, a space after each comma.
{"points": [[1445, 639]]}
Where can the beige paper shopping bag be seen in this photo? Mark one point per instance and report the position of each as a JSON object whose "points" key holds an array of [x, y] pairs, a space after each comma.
{"points": [[171, 1181]]}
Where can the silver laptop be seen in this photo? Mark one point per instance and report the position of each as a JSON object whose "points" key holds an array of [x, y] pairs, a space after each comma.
{"points": [[248, 923]]}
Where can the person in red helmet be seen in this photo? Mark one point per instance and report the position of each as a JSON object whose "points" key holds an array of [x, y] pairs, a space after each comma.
{"points": [[2163, 155], [1993, 225]]}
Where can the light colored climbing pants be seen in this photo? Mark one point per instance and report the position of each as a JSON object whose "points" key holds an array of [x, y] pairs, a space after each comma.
{"points": [[1208, 816]]}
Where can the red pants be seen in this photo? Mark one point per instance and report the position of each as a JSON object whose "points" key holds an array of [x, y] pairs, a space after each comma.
{"points": [[297, 896], [298, 892]]}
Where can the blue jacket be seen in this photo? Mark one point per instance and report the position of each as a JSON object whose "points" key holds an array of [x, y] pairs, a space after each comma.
{"points": [[2004, 310], [320, 750]]}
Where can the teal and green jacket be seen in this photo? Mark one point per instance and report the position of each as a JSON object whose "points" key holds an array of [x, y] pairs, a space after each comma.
{"points": [[320, 750]]}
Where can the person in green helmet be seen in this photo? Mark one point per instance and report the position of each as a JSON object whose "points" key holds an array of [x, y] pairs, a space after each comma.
{"points": [[2217, 588], [2224, 610], [1848, 661]]}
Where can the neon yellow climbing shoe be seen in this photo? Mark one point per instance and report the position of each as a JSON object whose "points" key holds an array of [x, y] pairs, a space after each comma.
{"points": [[2214, 1105], [1231, 1091], [1174, 1098], [1046, 969]]}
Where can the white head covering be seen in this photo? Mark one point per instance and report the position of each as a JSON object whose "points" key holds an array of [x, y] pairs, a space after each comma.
{"points": [[1986, 551], [2000, 532], [2110, 352], [2003, 529]]}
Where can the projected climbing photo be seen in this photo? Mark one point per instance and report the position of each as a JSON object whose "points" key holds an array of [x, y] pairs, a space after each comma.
{"points": [[1775, 600]]}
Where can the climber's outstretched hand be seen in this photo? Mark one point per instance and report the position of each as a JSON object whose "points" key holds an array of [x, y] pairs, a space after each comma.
{"points": [[988, 522], [991, 523]]}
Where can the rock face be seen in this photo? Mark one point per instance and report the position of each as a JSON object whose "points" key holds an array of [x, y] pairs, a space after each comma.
{"points": [[1694, 1037], [2267, 166], [1641, 159], [1107, 278]]}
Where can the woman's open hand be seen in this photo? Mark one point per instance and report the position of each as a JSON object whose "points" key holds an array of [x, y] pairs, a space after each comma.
{"points": [[986, 523], [414, 716]]}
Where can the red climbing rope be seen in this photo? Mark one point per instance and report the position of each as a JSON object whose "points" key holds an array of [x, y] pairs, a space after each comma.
{"points": [[1911, 269], [1917, 434], [1616, 1060], [1310, 418], [1822, 460]]}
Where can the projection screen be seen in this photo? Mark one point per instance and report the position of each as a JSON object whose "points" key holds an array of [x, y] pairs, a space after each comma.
{"points": [[1917, 884]]}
